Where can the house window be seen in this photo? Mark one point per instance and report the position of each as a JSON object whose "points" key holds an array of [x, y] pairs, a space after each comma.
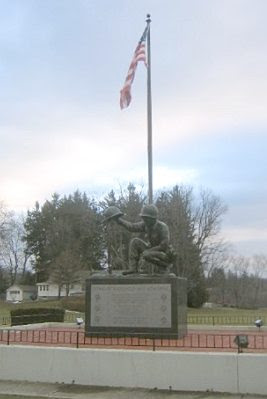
{"points": [[14, 292], [43, 287]]}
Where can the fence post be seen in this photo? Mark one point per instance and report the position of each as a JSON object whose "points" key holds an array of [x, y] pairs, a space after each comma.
{"points": [[8, 337], [77, 340]]}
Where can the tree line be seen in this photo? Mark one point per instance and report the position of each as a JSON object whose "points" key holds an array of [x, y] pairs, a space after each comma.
{"points": [[239, 282], [58, 240]]}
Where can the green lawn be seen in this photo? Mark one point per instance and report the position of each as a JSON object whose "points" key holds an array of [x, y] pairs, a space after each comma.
{"points": [[262, 312], [226, 316], [214, 316]]}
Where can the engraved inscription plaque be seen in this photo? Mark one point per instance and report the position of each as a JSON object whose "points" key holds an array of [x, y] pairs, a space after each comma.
{"points": [[131, 305], [147, 307]]}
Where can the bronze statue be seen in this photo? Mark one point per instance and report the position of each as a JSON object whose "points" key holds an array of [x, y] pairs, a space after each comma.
{"points": [[153, 256]]}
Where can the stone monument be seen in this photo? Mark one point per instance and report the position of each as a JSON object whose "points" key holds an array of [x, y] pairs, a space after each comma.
{"points": [[146, 300]]}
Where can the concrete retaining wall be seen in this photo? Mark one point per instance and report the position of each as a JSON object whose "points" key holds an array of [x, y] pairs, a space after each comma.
{"points": [[252, 372], [220, 372]]}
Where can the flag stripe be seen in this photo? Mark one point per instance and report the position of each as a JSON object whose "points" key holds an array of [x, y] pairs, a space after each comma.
{"points": [[139, 55]]}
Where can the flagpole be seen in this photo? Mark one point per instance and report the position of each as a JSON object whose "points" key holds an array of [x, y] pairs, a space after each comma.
{"points": [[149, 116]]}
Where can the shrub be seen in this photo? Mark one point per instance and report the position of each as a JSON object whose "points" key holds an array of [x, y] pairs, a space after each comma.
{"points": [[36, 315]]}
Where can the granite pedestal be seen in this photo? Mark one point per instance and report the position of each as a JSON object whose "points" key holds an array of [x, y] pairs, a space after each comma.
{"points": [[136, 306]]}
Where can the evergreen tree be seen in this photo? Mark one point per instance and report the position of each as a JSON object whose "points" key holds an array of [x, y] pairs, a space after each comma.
{"points": [[117, 240], [69, 224], [175, 208]]}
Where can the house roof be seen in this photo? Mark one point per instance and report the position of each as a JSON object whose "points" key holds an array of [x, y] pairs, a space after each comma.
{"points": [[80, 278], [23, 287]]}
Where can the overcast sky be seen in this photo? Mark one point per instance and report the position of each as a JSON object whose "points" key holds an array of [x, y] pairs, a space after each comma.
{"points": [[62, 65]]}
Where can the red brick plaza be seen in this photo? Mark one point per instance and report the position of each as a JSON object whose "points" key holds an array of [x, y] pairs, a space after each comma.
{"points": [[202, 339]]}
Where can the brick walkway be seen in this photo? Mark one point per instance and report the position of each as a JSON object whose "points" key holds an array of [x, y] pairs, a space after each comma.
{"points": [[198, 338]]}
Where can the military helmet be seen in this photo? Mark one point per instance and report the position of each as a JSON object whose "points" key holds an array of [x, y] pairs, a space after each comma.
{"points": [[111, 212], [149, 211]]}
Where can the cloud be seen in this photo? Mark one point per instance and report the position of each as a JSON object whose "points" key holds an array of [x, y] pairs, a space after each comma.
{"points": [[211, 109], [73, 152], [61, 126], [240, 234]]}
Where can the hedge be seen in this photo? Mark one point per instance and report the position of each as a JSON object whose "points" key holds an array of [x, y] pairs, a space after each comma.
{"points": [[76, 304], [36, 315]]}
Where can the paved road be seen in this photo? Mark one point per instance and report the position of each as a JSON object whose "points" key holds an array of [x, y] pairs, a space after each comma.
{"points": [[64, 391]]}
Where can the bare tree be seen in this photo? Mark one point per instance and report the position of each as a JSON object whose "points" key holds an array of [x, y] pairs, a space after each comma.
{"points": [[258, 265], [4, 220], [217, 285], [238, 281], [244, 283], [206, 220], [215, 254], [13, 255], [207, 217], [65, 270]]}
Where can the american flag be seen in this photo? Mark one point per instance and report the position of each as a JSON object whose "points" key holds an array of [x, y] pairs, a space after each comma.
{"points": [[139, 55]]}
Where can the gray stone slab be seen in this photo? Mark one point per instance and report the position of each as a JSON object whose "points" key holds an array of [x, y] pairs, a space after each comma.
{"points": [[143, 306]]}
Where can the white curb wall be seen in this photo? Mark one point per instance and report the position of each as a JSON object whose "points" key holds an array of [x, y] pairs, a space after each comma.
{"points": [[252, 371], [182, 371]]}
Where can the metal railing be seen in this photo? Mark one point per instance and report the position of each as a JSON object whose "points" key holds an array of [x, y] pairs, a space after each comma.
{"points": [[223, 320], [71, 317], [257, 342], [5, 320], [220, 320]]}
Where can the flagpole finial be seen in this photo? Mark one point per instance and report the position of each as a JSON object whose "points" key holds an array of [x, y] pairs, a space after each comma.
{"points": [[148, 19]]}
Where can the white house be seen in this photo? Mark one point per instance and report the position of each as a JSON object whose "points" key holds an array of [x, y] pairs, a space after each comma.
{"points": [[19, 292], [50, 290]]}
